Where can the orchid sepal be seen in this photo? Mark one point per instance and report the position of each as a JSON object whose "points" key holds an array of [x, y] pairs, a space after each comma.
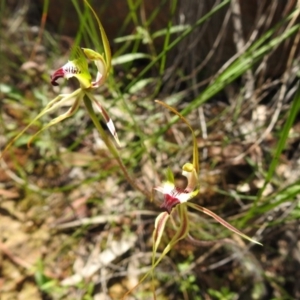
{"points": [[106, 46], [51, 106], [71, 111]]}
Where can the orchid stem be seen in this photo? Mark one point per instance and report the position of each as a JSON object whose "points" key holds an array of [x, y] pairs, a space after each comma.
{"points": [[111, 147]]}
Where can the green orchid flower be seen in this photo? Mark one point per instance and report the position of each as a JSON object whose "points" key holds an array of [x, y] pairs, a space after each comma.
{"points": [[176, 203], [77, 67]]}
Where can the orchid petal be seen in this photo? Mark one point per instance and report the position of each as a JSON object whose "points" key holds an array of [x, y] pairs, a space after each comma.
{"points": [[109, 123], [159, 227], [88, 104], [222, 222]]}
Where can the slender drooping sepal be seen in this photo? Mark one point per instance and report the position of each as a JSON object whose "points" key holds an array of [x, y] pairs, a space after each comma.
{"points": [[54, 104], [70, 112]]}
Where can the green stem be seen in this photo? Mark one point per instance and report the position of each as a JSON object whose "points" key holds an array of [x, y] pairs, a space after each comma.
{"points": [[111, 147]]}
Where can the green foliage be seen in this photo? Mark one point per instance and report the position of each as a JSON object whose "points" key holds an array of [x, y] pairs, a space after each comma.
{"points": [[223, 294], [45, 283]]}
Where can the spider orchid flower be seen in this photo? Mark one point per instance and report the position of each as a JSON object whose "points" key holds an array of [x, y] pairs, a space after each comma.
{"points": [[77, 67], [176, 202]]}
